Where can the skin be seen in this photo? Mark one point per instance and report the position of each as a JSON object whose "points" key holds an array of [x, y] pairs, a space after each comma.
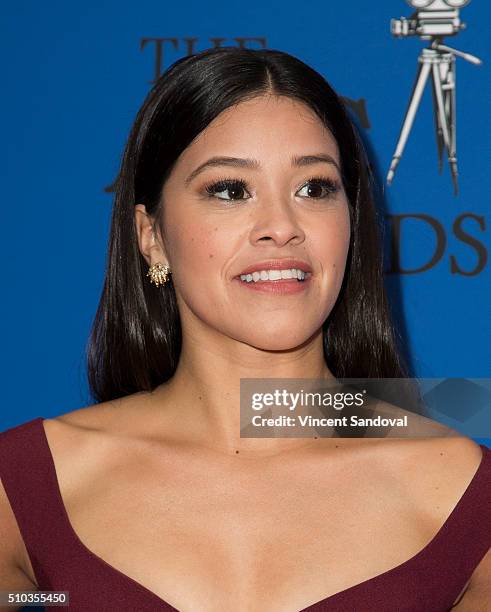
{"points": [[215, 521], [208, 241]]}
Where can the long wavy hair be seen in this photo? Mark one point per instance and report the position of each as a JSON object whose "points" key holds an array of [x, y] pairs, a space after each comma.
{"points": [[135, 341]]}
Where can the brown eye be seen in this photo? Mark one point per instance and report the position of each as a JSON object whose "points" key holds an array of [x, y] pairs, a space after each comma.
{"points": [[234, 188], [318, 188]]}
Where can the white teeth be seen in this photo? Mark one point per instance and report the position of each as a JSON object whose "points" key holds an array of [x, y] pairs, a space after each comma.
{"points": [[271, 275]]}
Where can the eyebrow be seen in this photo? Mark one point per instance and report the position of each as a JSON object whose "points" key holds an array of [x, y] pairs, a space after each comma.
{"points": [[297, 161]]}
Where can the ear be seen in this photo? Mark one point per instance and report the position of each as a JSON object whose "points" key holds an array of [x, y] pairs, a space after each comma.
{"points": [[149, 239]]}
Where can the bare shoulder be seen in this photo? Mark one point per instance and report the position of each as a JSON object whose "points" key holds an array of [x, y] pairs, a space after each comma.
{"points": [[454, 454], [85, 444], [444, 465], [428, 455], [115, 417], [88, 442], [433, 475]]}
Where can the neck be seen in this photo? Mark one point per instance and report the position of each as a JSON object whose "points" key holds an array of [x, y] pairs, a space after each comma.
{"points": [[202, 400]]}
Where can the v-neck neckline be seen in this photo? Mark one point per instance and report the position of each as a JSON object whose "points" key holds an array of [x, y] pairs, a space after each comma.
{"points": [[486, 453]]}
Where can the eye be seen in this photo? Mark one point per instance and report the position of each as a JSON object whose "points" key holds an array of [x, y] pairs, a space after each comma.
{"points": [[235, 188], [319, 187]]}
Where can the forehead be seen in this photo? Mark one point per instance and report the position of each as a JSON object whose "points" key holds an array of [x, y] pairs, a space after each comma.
{"points": [[267, 128]]}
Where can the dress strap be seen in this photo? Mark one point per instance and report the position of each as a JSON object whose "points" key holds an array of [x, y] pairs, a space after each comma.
{"points": [[28, 475], [465, 537]]}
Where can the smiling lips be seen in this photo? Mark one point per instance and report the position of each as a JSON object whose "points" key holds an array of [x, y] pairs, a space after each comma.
{"points": [[279, 276], [276, 264]]}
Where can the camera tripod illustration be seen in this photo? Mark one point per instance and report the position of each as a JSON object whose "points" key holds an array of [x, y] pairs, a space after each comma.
{"points": [[433, 20]]}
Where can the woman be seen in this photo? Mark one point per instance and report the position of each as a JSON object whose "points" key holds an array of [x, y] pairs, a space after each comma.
{"points": [[240, 161]]}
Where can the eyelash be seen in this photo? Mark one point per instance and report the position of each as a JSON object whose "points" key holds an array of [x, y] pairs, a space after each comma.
{"points": [[331, 186]]}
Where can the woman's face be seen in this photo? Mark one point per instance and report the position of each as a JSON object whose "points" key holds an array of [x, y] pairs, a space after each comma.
{"points": [[279, 196]]}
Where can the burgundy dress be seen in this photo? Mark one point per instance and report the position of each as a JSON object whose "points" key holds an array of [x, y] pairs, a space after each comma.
{"points": [[430, 581]]}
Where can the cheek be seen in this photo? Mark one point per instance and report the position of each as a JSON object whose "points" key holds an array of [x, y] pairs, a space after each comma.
{"points": [[196, 249], [331, 241]]}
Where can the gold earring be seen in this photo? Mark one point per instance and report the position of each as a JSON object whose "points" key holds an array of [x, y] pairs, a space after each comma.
{"points": [[159, 274]]}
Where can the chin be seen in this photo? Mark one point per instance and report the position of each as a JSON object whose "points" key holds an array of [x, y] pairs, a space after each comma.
{"points": [[277, 340]]}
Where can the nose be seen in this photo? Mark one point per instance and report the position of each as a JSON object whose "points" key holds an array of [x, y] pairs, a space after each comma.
{"points": [[277, 222]]}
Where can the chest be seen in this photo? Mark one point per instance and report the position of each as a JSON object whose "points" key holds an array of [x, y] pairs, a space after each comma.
{"points": [[242, 537]]}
